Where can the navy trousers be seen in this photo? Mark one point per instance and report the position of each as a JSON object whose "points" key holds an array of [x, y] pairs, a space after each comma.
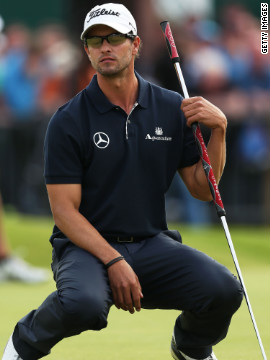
{"points": [[172, 276]]}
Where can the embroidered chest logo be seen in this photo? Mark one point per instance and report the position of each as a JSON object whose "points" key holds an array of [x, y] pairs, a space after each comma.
{"points": [[159, 133], [101, 140]]}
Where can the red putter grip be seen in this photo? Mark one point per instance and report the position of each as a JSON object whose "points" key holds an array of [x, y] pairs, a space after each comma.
{"points": [[165, 26], [208, 170]]}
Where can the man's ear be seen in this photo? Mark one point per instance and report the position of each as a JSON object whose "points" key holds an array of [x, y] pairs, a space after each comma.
{"points": [[136, 44], [87, 52]]}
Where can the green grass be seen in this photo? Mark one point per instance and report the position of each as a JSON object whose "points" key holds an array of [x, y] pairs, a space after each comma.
{"points": [[146, 335]]}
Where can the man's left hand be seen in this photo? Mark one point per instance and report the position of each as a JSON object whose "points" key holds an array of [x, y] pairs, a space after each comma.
{"points": [[198, 109]]}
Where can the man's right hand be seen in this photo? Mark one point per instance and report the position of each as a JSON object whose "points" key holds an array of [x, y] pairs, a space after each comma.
{"points": [[125, 285]]}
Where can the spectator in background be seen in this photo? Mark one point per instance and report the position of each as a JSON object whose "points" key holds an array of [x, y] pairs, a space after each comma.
{"points": [[13, 268], [20, 74], [17, 75], [59, 58], [39, 71], [20, 90]]}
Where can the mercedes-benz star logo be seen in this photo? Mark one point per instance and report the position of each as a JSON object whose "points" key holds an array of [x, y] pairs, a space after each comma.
{"points": [[101, 140]]}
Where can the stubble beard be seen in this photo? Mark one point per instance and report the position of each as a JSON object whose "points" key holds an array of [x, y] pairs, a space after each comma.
{"points": [[109, 71], [114, 70]]}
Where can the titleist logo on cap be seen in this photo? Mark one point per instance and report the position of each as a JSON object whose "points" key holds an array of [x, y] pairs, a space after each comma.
{"points": [[116, 16], [100, 12]]}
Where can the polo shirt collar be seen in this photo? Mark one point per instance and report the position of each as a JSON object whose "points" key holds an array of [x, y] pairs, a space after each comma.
{"points": [[102, 104]]}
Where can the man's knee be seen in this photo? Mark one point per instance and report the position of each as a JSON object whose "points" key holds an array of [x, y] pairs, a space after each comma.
{"points": [[84, 309], [227, 294]]}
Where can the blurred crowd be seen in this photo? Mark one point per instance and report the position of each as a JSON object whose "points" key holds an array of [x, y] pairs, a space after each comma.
{"points": [[39, 71], [221, 60]]}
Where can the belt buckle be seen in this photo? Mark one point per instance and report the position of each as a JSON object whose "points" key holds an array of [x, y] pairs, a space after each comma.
{"points": [[128, 239]]}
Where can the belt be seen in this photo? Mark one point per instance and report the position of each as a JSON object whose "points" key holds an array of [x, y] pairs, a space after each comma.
{"points": [[123, 239]]}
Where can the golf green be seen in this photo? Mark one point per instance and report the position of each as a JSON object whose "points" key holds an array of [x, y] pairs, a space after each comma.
{"points": [[145, 335]]}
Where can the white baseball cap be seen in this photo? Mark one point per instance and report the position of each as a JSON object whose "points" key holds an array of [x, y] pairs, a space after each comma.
{"points": [[116, 16]]}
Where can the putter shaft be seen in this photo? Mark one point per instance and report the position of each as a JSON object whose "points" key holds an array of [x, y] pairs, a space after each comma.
{"points": [[235, 260]]}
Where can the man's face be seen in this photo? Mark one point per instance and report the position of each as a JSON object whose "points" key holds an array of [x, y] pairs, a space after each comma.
{"points": [[111, 60]]}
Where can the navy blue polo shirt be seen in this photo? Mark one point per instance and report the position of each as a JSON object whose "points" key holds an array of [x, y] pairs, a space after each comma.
{"points": [[125, 163]]}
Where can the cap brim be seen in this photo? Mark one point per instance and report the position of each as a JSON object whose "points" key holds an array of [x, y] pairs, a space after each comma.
{"points": [[118, 27]]}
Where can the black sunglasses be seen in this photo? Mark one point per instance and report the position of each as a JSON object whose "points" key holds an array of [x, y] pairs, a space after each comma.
{"points": [[113, 39]]}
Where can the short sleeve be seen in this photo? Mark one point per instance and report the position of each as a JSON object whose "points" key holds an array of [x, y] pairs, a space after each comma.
{"points": [[63, 153]]}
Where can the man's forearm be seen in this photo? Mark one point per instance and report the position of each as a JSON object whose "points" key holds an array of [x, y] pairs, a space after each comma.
{"points": [[124, 283], [194, 176], [78, 229], [216, 149]]}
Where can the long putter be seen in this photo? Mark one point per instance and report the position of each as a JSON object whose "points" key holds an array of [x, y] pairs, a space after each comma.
{"points": [[165, 25]]}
